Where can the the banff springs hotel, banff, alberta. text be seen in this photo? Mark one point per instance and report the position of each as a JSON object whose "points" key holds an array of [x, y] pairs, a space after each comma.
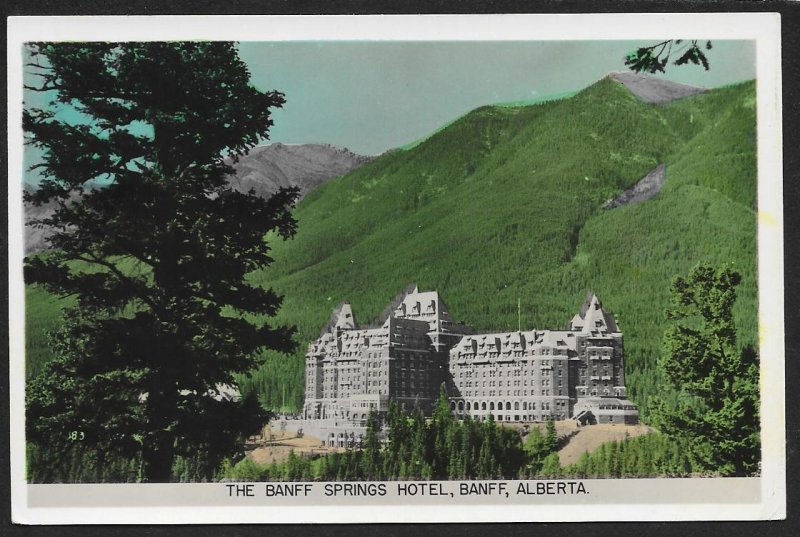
{"points": [[517, 376]]}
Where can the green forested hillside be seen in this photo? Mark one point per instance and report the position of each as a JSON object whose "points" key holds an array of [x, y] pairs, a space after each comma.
{"points": [[505, 204]]}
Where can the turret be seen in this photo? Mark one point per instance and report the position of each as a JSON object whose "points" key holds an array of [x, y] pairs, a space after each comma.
{"points": [[344, 318], [592, 318]]}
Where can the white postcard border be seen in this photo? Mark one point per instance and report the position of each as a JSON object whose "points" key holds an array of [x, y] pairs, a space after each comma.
{"points": [[764, 28]]}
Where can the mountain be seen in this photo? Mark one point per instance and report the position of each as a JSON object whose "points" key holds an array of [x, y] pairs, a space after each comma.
{"points": [[505, 204], [264, 169], [268, 168]]}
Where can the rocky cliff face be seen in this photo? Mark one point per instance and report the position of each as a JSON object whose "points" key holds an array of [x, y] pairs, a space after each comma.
{"points": [[265, 169]]}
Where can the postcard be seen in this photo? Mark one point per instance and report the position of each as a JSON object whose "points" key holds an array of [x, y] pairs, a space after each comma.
{"points": [[396, 268]]}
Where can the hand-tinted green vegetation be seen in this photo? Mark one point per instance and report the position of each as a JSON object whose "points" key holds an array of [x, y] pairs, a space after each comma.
{"points": [[506, 203], [718, 418]]}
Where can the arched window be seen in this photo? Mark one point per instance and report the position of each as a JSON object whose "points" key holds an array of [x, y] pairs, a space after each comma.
{"points": [[468, 406], [516, 405], [491, 406], [508, 405], [452, 405], [460, 406], [524, 405], [483, 405]]}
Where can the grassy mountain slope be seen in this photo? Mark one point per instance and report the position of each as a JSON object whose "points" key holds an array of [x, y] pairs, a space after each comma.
{"points": [[505, 204], [510, 104]]}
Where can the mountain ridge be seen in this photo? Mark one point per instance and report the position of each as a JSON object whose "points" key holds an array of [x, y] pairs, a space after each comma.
{"points": [[265, 169]]}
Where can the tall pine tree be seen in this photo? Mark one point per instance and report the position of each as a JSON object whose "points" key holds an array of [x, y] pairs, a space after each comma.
{"points": [[154, 245], [701, 358]]}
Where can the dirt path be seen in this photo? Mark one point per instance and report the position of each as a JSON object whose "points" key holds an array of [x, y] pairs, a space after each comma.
{"points": [[275, 445], [589, 437]]}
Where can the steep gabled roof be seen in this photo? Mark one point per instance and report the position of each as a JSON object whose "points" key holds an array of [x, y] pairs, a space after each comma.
{"points": [[425, 306], [593, 318]]}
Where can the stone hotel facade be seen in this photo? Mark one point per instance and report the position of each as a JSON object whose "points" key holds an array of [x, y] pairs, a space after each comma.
{"points": [[516, 376]]}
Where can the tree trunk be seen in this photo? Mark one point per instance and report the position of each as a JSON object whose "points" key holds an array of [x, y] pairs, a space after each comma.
{"points": [[158, 447], [158, 453]]}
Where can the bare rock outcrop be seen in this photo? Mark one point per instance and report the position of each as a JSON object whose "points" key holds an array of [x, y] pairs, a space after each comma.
{"points": [[654, 90], [644, 189]]}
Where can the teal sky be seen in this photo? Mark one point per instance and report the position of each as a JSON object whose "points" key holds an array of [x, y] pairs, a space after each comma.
{"points": [[373, 96], [370, 96]]}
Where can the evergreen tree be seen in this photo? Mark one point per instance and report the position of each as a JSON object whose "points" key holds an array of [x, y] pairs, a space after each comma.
{"points": [[487, 461], [551, 439], [629, 460], [701, 358], [536, 446], [371, 457], [397, 437], [154, 245], [467, 448], [615, 459], [442, 423], [509, 453], [419, 463], [551, 466], [581, 467]]}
